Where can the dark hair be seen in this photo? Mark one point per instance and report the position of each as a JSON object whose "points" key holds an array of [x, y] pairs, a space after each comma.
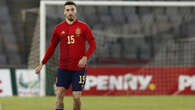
{"points": [[70, 3]]}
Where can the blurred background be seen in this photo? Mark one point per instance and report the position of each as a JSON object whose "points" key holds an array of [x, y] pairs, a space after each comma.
{"points": [[122, 33], [140, 50], [17, 17]]}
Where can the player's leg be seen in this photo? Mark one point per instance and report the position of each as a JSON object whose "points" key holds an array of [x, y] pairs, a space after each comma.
{"points": [[63, 82], [76, 100], [59, 98], [78, 82]]}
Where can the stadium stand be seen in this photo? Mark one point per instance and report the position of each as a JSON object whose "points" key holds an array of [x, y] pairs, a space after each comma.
{"points": [[10, 54], [141, 34], [142, 22]]}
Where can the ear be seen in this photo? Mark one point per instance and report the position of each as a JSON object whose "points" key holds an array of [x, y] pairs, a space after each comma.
{"points": [[64, 12], [76, 10]]}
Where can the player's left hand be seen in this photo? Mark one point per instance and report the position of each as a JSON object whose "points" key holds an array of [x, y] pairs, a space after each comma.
{"points": [[82, 62]]}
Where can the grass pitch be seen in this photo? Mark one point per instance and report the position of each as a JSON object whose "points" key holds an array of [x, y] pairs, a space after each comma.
{"points": [[102, 103]]}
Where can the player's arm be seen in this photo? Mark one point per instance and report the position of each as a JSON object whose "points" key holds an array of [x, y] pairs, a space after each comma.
{"points": [[50, 51], [92, 47]]}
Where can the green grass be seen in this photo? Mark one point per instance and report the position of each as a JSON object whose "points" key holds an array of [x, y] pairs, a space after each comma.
{"points": [[103, 103]]}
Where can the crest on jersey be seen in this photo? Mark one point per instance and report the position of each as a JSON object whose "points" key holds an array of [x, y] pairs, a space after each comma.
{"points": [[78, 31]]}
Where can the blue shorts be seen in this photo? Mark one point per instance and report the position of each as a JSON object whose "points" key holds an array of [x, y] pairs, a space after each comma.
{"points": [[66, 77]]}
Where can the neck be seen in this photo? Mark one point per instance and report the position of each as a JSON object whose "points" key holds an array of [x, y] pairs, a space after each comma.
{"points": [[70, 22]]}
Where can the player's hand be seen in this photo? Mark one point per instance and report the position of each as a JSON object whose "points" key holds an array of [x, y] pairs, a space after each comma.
{"points": [[82, 62], [38, 69]]}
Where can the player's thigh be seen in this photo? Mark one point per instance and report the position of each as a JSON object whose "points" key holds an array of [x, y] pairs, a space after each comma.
{"points": [[60, 91], [78, 80], [63, 78], [76, 94]]}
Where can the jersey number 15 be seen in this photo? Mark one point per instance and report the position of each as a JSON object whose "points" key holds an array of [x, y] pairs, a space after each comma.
{"points": [[71, 39]]}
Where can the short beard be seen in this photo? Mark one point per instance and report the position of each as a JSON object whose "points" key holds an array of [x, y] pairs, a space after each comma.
{"points": [[71, 19]]}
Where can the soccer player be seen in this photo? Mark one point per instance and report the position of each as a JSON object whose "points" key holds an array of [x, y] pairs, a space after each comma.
{"points": [[72, 35]]}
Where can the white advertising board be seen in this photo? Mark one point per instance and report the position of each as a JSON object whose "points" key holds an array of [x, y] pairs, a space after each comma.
{"points": [[28, 83], [5, 83]]}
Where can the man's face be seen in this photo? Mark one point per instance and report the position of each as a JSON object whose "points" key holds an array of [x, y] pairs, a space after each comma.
{"points": [[70, 12]]}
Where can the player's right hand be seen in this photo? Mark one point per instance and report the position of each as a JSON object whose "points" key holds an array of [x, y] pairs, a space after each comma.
{"points": [[38, 69]]}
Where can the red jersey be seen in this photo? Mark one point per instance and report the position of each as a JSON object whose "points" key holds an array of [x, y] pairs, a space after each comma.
{"points": [[72, 39]]}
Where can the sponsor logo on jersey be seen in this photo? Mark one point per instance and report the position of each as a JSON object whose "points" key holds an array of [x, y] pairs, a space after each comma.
{"points": [[62, 32]]}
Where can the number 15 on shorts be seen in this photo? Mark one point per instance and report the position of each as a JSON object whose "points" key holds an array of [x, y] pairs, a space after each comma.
{"points": [[82, 79]]}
